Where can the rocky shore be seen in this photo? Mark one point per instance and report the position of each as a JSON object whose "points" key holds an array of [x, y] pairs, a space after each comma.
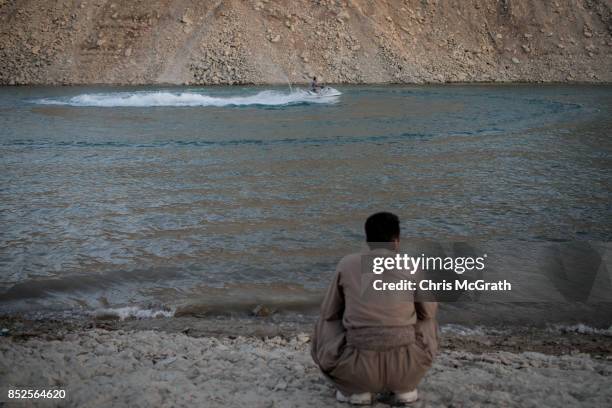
{"points": [[259, 363], [275, 42]]}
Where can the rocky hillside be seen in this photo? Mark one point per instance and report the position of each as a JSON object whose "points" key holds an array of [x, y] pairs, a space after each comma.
{"points": [[275, 41]]}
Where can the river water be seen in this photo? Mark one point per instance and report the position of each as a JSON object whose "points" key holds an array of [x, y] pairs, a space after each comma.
{"points": [[221, 198]]}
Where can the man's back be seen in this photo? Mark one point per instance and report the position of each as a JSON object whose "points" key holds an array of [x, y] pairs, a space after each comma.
{"points": [[366, 307]]}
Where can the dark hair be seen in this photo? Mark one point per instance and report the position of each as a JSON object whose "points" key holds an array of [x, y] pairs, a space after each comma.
{"points": [[314, 78], [382, 227]]}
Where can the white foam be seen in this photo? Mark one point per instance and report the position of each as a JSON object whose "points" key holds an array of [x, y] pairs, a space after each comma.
{"points": [[165, 98], [133, 312], [582, 329], [460, 330]]}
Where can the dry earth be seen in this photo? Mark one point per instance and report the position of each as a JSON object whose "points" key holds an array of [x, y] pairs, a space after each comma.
{"points": [[274, 41], [99, 368], [265, 362]]}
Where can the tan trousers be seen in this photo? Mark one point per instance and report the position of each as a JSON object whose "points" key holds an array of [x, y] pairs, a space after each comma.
{"points": [[398, 369]]}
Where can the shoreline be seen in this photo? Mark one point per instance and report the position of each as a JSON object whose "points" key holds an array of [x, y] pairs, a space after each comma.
{"points": [[305, 84], [553, 339], [260, 363], [488, 316]]}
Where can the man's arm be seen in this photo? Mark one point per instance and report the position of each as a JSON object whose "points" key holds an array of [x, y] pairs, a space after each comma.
{"points": [[426, 310], [332, 307], [329, 334]]}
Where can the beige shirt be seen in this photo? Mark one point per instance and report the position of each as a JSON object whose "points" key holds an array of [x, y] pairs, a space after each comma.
{"points": [[366, 307]]}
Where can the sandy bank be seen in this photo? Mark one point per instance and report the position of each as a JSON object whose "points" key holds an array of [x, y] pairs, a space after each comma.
{"points": [[154, 368]]}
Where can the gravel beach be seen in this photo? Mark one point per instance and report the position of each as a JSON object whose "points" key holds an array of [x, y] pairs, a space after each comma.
{"points": [[127, 366]]}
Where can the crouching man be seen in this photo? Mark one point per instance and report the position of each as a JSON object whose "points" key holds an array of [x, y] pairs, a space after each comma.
{"points": [[368, 343]]}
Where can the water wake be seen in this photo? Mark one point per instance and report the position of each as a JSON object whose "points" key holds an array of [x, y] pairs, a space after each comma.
{"points": [[166, 98]]}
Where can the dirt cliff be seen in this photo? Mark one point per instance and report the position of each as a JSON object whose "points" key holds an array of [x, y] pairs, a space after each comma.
{"points": [[275, 41]]}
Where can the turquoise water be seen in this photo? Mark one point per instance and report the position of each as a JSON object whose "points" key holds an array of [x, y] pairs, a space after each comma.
{"points": [[230, 195]]}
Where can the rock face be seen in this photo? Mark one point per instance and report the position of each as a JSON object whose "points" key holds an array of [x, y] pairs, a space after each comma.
{"points": [[275, 41]]}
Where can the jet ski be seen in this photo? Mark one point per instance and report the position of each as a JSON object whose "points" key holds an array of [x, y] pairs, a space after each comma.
{"points": [[325, 92]]}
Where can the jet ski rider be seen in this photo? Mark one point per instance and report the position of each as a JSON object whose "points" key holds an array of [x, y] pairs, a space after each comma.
{"points": [[314, 85]]}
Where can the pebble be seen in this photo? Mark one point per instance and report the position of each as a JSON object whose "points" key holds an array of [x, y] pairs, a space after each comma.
{"points": [[260, 311]]}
